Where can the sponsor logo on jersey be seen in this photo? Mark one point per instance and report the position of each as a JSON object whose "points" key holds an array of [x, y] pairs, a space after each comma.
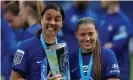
{"points": [[115, 66], [39, 62]]}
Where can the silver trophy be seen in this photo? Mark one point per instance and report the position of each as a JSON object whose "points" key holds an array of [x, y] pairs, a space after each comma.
{"points": [[57, 59]]}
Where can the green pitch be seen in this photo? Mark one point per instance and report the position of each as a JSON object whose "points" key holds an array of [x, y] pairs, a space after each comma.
{"points": [[131, 62]]}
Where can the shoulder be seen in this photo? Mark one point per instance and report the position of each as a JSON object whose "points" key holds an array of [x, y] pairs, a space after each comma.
{"points": [[108, 57], [123, 16], [31, 47], [107, 53], [37, 26], [33, 29], [73, 54], [30, 43]]}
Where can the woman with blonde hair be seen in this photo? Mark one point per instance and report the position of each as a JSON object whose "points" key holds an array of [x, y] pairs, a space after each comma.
{"points": [[30, 14]]}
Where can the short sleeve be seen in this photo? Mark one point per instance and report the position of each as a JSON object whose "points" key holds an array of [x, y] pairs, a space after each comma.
{"points": [[21, 59], [111, 65]]}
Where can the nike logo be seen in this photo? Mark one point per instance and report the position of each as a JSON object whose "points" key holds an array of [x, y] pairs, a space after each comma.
{"points": [[74, 69], [39, 62]]}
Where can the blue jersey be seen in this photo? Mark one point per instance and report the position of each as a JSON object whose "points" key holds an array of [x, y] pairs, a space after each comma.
{"points": [[29, 57], [31, 31], [19, 36], [116, 28], [109, 65], [73, 14]]}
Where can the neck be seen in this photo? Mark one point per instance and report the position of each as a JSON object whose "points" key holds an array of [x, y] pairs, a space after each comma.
{"points": [[49, 39], [114, 8], [32, 21], [86, 51]]}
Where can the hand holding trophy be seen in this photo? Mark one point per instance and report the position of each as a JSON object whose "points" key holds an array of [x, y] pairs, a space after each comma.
{"points": [[57, 77], [57, 60]]}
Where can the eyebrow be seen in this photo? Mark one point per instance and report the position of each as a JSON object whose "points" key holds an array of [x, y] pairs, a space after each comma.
{"points": [[91, 32], [48, 14], [56, 16]]}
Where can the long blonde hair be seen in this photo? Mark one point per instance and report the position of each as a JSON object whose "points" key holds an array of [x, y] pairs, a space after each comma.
{"points": [[37, 8]]}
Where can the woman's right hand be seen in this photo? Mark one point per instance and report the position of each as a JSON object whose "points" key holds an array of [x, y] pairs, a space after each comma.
{"points": [[57, 77]]}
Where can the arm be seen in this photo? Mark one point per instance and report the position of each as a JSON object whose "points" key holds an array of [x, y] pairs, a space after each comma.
{"points": [[19, 64], [113, 79], [112, 70], [16, 76]]}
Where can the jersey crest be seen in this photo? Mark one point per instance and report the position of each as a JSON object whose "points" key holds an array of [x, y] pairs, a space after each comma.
{"points": [[18, 57]]}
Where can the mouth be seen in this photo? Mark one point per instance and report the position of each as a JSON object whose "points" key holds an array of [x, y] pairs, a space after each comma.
{"points": [[51, 28], [88, 43]]}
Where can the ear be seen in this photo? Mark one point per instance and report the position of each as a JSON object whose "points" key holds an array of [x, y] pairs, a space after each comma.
{"points": [[76, 34], [97, 35], [29, 10], [41, 21], [62, 23]]}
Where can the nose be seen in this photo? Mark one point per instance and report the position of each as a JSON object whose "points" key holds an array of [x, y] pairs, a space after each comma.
{"points": [[52, 22], [87, 37]]}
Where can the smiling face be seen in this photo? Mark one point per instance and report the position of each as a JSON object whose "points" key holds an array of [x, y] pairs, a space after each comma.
{"points": [[87, 36], [51, 22]]}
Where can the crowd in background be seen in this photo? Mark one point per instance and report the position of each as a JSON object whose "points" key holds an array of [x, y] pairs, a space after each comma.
{"points": [[115, 27]]}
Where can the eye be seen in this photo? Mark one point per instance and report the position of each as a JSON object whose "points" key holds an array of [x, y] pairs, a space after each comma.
{"points": [[90, 34], [82, 34], [57, 19], [48, 18]]}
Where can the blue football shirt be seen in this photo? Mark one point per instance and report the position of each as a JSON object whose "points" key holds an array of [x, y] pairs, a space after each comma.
{"points": [[28, 59], [116, 28], [31, 31], [109, 65]]}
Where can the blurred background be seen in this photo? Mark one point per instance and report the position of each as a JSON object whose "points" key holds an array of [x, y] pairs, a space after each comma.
{"points": [[114, 21]]}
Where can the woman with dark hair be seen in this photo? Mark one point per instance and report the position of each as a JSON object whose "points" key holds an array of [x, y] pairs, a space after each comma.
{"points": [[91, 61], [30, 61]]}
